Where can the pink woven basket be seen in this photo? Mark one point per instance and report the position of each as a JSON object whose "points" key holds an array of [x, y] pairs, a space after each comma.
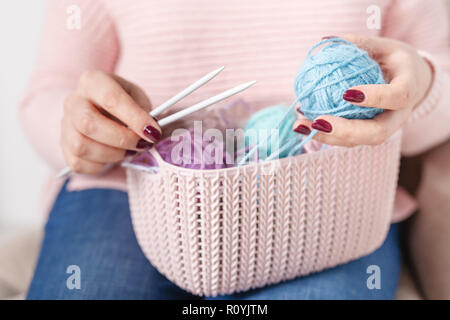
{"points": [[221, 231]]}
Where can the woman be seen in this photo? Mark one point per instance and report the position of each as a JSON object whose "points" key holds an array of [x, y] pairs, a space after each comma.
{"points": [[99, 72]]}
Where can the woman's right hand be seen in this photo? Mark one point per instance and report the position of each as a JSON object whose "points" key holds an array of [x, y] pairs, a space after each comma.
{"points": [[105, 119]]}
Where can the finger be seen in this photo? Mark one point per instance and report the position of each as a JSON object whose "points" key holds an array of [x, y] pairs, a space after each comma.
{"points": [[302, 126], [392, 96], [89, 121], [348, 133], [135, 92], [105, 92], [375, 46], [88, 149], [79, 165]]}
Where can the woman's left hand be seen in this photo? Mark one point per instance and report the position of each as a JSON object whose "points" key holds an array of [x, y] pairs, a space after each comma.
{"points": [[408, 78]]}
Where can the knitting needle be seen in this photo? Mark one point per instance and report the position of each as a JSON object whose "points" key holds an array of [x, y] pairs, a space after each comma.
{"points": [[253, 150], [289, 145], [205, 103], [64, 173], [180, 95], [185, 112]]}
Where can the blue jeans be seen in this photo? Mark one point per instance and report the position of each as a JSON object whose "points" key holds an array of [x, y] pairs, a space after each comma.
{"points": [[89, 241]]}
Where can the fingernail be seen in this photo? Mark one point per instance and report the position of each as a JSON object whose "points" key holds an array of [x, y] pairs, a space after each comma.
{"points": [[152, 133], [353, 96], [130, 153], [302, 129], [142, 144], [322, 125], [328, 37]]}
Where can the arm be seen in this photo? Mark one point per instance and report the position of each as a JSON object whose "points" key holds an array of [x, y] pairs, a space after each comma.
{"points": [[424, 25], [63, 56], [428, 126]]}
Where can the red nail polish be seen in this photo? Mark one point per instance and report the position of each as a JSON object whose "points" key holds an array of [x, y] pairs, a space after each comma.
{"points": [[353, 96], [302, 129], [130, 153], [322, 125], [142, 144], [152, 133], [328, 37], [299, 110]]}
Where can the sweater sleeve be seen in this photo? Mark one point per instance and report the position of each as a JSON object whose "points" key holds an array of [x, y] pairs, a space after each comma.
{"points": [[425, 26], [78, 35]]}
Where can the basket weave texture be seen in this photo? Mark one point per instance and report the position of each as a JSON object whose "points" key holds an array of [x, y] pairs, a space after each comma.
{"points": [[222, 231]]}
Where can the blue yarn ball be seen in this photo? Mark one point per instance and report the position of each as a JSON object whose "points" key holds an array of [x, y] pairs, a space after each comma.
{"points": [[267, 119], [326, 75]]}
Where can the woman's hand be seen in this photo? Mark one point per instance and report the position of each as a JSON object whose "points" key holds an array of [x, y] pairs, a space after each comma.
{"points": [[408, 76], [104, 120]]}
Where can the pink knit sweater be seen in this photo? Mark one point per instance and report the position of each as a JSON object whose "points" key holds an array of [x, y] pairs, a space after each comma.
{"points": [[165, 45]]}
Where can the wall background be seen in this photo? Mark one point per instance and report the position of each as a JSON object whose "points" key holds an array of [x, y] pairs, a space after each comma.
{"points": [[21, 171]]}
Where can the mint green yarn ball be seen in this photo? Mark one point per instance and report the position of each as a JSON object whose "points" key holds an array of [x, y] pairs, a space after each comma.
{"points": [[263, 121]]}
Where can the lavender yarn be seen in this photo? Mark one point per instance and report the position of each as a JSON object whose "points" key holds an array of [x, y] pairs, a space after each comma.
{"points": [[198, 157], [326, 75]]}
